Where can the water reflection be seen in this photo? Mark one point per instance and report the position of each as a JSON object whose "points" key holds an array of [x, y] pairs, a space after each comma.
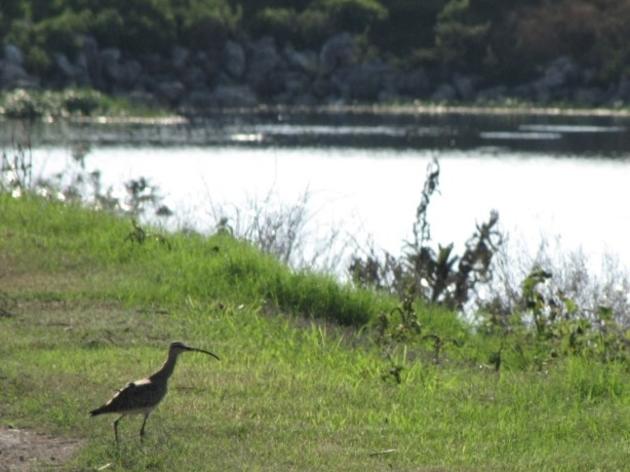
{"points": [[519, 135], [550, 135]]}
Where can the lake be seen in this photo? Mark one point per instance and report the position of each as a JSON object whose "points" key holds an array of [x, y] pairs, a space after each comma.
{"points": [[563, 180]]}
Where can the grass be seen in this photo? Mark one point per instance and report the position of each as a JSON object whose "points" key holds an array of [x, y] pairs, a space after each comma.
{"points": [[75, 103], [87, 311]]}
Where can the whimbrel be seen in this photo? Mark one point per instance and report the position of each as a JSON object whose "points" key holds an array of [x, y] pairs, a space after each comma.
{"points": [[142, 396]]}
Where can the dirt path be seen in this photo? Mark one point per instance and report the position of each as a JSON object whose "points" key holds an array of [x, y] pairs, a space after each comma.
{"points": [[22, 450]]}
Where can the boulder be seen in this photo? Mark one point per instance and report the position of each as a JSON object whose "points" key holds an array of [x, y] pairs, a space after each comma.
{"points": [[132, 71], [559, 75], [364, 81], [444, 93], [90, 56], [303, 61], [263, 60], [234, 59], [14, 76], [179, 58], [68, 70], [622, 92], [304, 100], [465, 87], [197, 100], [207, 63], [234, 96], [112, 71], [13, 55], [560, 72], [338, 51], [414, 83], [193, 77], [110, 56], [589, 96], [323, 88], [154, 64], [170, 91], [296, 83], [492, 94]]}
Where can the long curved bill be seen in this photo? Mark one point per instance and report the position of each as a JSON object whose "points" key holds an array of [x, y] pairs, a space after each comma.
{"points": [[205, 352]]}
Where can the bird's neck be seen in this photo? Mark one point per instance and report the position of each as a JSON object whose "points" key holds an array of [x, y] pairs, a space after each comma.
{"points": [[167, 369]]}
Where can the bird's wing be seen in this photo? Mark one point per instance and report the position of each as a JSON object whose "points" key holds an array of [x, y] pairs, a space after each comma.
{"points": [[137, 395]]}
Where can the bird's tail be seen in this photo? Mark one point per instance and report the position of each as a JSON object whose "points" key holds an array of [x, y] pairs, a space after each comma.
{"points": [[99, 411]]}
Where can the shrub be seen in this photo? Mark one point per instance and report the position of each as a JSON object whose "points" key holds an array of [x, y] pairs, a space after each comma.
{"points": [[22, 105], [280, 23], [422, 272], [355, 16], [84, 102], [593, 32], [459, 38], [137, 26], [60, 33], [206, 24], [314, 27], [409, 26]]}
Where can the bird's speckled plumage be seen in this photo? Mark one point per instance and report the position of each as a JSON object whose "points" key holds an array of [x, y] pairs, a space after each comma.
{"points": [[142, 396], [135, 397]]}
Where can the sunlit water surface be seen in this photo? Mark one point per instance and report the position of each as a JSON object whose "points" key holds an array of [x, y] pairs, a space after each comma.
{"points": [[583, 203], [558, 180]]}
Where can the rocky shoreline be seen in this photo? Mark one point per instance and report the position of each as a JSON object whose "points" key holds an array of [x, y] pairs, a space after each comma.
{"points": [[246, 74]]}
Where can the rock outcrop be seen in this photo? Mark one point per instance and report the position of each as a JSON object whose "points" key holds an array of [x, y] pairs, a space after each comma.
{"points": [[248, 73]]}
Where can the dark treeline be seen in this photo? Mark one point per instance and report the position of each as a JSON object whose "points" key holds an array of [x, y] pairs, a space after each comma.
{"points": [[507, 40], [186, 52]]}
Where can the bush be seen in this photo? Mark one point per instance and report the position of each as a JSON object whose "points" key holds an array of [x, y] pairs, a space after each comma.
{"points": [[280, 23], [409, 26], [204, 24], [422, 272], [314, 27], [61, 33], [137, 26], [84, 102], [20, 104], [459, 38], [593, 32], [355, 16]]}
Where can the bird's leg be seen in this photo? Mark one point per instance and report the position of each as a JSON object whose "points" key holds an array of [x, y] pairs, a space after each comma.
{"points": [[116, 427], [144, 422]]}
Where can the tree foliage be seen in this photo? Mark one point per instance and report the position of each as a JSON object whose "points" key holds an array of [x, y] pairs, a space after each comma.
{"points": [[510, 39]]}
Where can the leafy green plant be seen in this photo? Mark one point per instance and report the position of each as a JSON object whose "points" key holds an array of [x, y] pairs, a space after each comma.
{"points": [[206, 23], [21, 104], [437, 276], [83, 102], [459, 37], [355, 16], [400, 324], [16, 166]]}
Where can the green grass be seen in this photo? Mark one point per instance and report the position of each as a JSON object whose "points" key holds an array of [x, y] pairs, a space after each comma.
{"points": [[91, 311], [74, 102]]}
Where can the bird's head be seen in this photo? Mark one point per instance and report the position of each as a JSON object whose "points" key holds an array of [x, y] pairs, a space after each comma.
{"points": [[178, 347]]}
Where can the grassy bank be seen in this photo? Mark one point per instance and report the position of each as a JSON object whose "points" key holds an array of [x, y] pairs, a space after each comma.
{"points": [[87, 305], [85, 105], [75, 104]]}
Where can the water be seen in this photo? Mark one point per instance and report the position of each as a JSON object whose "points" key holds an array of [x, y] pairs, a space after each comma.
{"points": [[560, 179]]}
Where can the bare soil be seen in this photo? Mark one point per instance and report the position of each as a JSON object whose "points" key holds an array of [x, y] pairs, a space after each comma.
{"points": [[22, 450]]}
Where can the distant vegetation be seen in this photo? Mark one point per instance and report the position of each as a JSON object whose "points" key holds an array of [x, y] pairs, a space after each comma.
{"points": [[506, 41], [75, 102]]}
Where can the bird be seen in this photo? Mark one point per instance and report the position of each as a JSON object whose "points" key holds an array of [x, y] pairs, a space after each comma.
{"points": [[142, 396]]}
